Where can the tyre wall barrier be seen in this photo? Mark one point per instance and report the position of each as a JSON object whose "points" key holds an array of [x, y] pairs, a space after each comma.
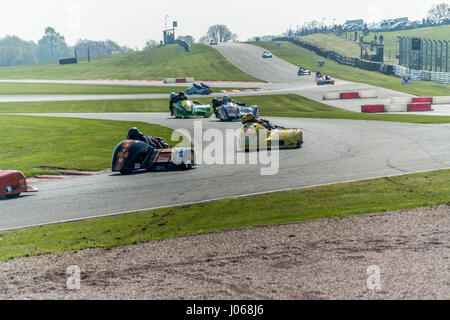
{"points": [[367, 94], [441, 100], [401, 100], [414, 107], [396, 108], [374, 108], [331, 96], [420, 75], [349, 95], [420, 99], [178, 80]]}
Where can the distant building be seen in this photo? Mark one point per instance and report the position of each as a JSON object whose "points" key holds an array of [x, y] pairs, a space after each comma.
{"points": [[359, 22], [390, 25], [354, 25]]}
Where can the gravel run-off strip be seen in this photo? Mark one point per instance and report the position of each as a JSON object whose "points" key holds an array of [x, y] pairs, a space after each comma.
{"points": [[320, 259]]}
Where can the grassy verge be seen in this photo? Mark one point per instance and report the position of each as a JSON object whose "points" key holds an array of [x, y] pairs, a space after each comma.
{"points": [[351, 48], [271, 105], [172, 61], [331, 42], [63, 143], [10, 88], [300, 56], [391, 38], [378, 195]]}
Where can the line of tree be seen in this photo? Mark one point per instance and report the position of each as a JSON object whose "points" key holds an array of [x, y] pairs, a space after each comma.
{"points": [[15, 51], [51, 47], [85, 47]]}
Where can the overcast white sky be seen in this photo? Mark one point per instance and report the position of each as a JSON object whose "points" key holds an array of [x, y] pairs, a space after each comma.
{"points": [[132, 22]]}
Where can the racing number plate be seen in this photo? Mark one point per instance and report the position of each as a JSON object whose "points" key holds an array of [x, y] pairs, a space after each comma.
{"points": [[164, 158]]}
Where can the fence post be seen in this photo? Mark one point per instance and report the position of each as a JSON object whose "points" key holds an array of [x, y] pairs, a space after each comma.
{"points": [[403, 51], [422, 52], [435, 55], [446, 56], [408, 51]]}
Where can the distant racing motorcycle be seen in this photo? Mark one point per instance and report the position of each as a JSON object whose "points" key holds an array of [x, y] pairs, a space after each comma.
{"points": [[232, 111], [13, 183], [323, 80], [133, 155], [303, 72], [191, 109], [202, 89]]}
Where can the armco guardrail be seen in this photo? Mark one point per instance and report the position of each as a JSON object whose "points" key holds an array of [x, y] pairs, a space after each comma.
{"points": [[385, 68], [182, 43]]}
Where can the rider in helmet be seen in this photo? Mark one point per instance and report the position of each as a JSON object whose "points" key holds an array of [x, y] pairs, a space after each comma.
{"points": [[133, 134], [154, 142], [216, 103], [250, 118], [318, 75], [174, 98], [181, 96]]}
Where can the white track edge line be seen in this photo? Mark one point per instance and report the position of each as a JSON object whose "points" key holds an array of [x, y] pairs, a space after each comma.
{"points": [[216, 199]]}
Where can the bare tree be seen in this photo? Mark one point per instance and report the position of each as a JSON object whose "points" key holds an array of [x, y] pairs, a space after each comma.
{"points": [[204, 40], [189, 39], [311, 25], [150, 44], [220, 33], [438, 12]]}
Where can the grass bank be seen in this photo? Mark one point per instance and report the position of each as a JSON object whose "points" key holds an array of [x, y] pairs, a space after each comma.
{"points": [[378, 195], [172, 61], [303, 57], [351, 48], [15, 88], [34, 142], [271, 105]]}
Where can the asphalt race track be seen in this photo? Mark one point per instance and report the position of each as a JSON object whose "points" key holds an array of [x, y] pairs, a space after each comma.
{"points": [[334, 151], [280, 75]]}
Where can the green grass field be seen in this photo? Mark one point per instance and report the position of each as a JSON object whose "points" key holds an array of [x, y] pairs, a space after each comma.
{"points": [[391, 41], [203, 63], [355, 198], [300, 56], [14, 88], [272, 105], [330, 42], [351, 48], [35, 142]]}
